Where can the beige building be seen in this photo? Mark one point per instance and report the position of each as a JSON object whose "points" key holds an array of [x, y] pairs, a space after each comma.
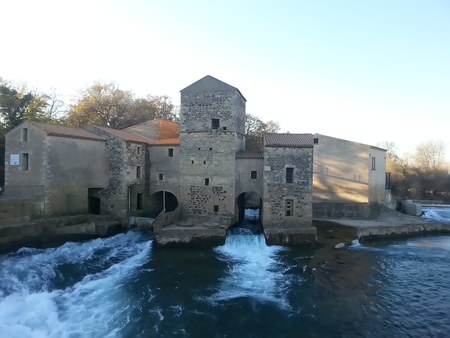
{"points": [[57, 167], [348, 177]]}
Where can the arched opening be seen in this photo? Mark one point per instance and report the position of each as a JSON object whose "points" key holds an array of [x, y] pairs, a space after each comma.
{"points": [[161, 200], [249, 206]]}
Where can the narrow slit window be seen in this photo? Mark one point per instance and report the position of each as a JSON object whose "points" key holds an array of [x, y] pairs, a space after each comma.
{"points": [[25, 134], [289, 175], [25, 162], [138, 150], [206, 181], [138, 171], [374, 163], [216, 208]]}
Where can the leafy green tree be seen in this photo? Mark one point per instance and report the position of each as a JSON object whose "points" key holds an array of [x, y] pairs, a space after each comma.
{"points": [[18, 104], [15, 106]]}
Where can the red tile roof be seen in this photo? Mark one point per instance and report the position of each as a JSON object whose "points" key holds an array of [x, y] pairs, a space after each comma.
{"points": [[165, 142], [250, 154], [289, 140], [125, 135], [69, 132]]}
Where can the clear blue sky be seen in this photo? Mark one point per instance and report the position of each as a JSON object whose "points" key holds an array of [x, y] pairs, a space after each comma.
{"points": [[366, 71]]}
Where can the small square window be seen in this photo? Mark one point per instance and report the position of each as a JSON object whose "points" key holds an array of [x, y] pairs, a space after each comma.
{"points": [[253, 175], [170, 152], [161, 176], [224, 128], [216, 208], [206, 181], [215, 123], [316, 140]]}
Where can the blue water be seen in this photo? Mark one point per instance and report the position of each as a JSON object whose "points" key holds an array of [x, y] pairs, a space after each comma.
{"points": [[124, 287], [438, 213]]}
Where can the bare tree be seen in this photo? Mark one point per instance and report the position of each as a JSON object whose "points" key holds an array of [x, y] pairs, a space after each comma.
{"points": [[429, 157]]}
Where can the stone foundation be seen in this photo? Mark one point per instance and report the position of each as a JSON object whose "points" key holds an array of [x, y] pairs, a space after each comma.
{"points": [[189, 235], [323, 210], [291, 237], [50, 232]]}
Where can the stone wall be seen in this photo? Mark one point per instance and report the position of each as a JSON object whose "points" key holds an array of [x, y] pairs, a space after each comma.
{"points": [[164, 169], [330, 210], [59, 173], [199, 108], [246, 183], [207, 176], [120, 197], [16, 210], [208, 148], [278, 193]]}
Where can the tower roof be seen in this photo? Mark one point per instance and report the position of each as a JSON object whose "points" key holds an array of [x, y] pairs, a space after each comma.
{"points": [[209, 83]]}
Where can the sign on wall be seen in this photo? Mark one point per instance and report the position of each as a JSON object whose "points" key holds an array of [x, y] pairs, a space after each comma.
{"points": [[14, 159]]}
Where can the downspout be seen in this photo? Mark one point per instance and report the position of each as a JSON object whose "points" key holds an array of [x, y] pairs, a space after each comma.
{"points": [[164, 201]]}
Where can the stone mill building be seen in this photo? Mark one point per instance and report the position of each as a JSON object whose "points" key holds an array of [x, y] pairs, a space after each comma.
{"points": [[194, 179]]}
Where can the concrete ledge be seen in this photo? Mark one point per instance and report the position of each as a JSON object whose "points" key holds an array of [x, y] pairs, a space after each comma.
{"points": [[291, 237], [410, 208], [402, 230], [43, 233], [195, 236]]}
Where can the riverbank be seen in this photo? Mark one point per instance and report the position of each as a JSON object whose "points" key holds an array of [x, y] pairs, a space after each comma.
{"points": [[391, 223]]}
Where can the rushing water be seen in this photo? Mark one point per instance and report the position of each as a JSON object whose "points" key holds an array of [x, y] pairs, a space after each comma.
{"points": [[123, 287], [439, 213]]}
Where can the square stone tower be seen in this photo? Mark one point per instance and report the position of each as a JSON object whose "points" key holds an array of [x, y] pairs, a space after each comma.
{"points": [[212, 126]]}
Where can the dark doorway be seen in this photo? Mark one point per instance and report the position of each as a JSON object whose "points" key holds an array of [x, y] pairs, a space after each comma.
{"points": [[94, 201], [162, 200], [94, 205]]}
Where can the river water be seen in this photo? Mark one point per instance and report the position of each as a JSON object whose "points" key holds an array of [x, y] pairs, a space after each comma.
{"points": [[124, 287]]}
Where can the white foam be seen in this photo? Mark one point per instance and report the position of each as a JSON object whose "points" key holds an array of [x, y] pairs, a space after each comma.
{"points": [[251, 214], [89, 308], [254, 270], [355, 243], [439, 214]]}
